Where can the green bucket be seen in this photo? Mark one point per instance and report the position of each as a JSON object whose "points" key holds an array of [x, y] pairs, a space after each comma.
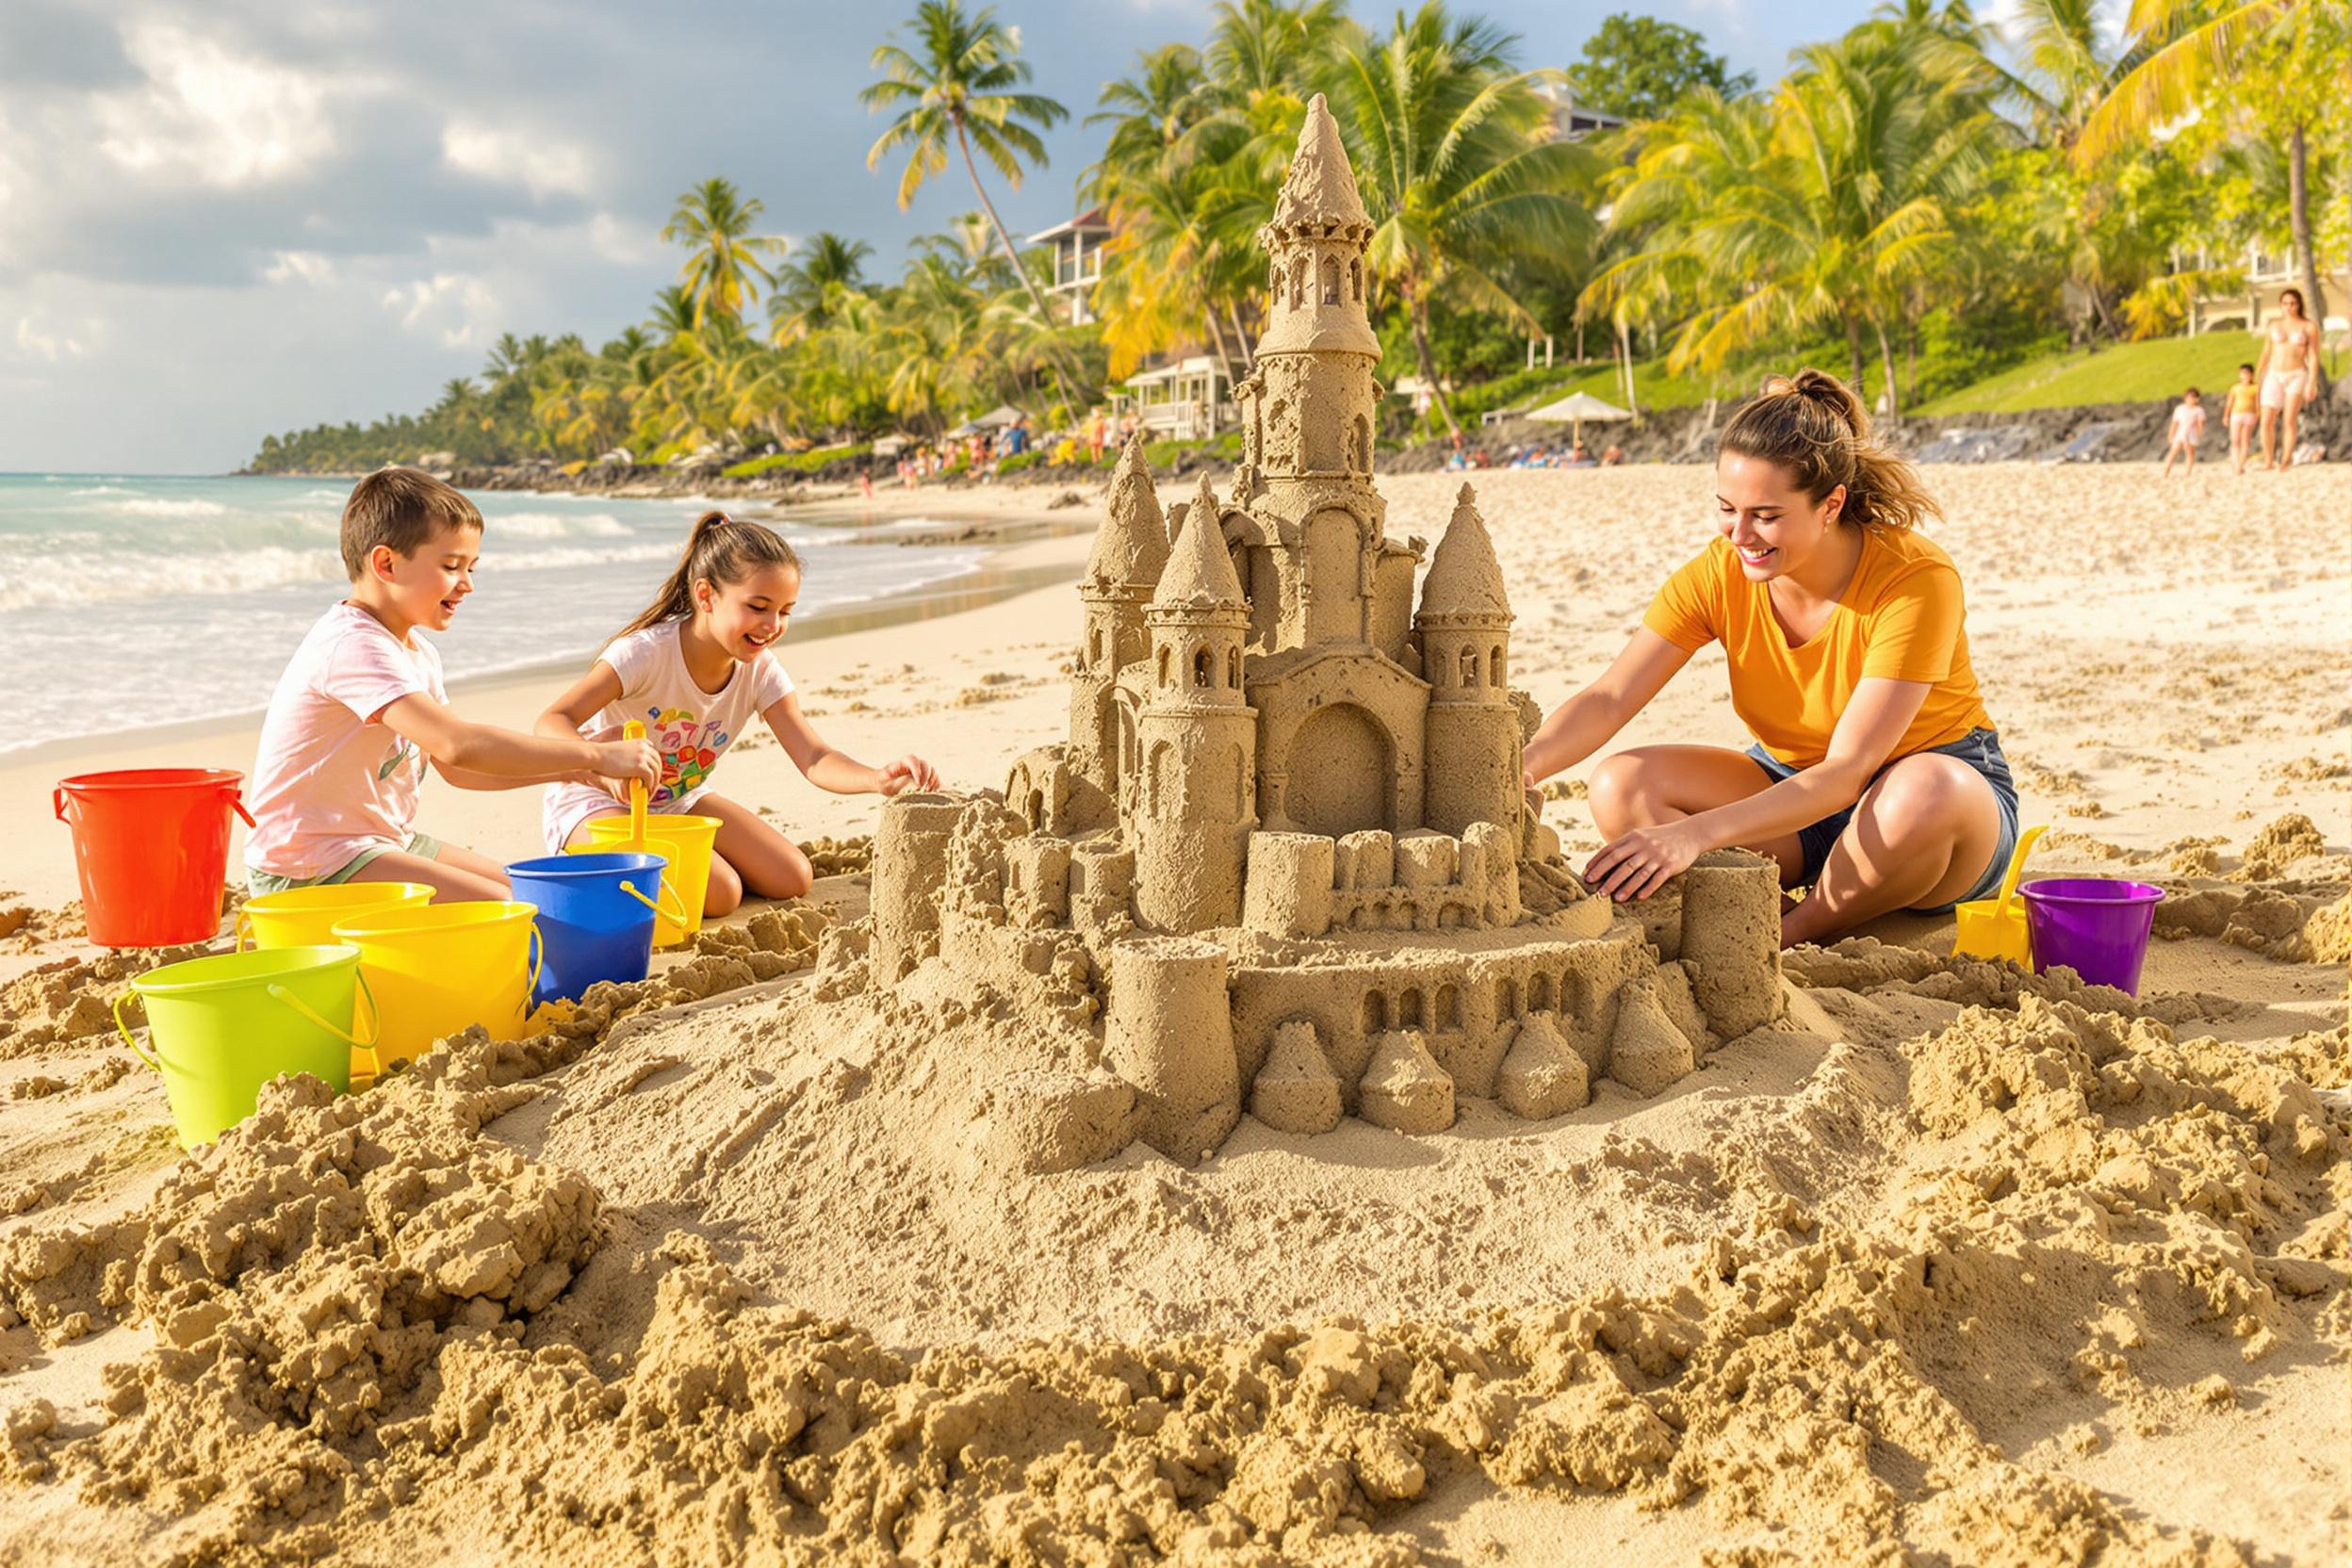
{"points": [[223, 1026]]}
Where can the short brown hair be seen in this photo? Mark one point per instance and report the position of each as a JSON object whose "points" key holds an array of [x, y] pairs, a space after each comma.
{"points": [[402, 508]]}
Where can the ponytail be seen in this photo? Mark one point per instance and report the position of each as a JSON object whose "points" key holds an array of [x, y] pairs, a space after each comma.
{"points": [[720, 549], [1812, 425]]}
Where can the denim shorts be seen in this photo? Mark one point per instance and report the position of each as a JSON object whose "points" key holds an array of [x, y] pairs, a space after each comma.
{"points": [[1980, 749], [258, 882]]}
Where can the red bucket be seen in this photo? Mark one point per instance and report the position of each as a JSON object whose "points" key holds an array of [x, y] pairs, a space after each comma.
{"points": [[151, 846]]}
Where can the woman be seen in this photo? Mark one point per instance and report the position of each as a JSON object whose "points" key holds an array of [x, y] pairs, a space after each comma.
{"points": [[1877, 782]]}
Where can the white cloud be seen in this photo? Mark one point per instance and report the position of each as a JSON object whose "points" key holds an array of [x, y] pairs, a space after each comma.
{"points": [[40, 339], [206, 114], [539, 163], [458, 309], [309, 266]]}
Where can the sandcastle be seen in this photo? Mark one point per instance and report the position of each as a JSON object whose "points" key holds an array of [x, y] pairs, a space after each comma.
{"points": [[1283, 861]]}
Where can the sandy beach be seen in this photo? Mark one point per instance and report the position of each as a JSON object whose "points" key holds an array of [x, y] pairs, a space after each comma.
{"points": [[1949, 1262]]}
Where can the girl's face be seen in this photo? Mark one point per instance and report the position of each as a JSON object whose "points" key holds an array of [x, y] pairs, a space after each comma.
{"points": [[747, 616], [1773, 527]]}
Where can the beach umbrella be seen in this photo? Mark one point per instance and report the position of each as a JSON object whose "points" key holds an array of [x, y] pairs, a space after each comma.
{"points": [[1575, 409], [1003, 417]]}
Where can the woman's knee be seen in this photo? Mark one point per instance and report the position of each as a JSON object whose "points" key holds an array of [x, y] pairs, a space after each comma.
{"points": [[1623, 792], [1924, 797]]}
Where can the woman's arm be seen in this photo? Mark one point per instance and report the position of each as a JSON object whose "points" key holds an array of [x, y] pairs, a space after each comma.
{"points": [[1867, 734], [1584, 724], [837, 771]]}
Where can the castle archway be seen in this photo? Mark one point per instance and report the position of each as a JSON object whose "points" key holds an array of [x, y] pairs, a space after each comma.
{"points": [[1341, 768]]}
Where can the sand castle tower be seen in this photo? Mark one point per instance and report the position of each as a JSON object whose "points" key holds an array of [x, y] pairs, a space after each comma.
{"points": [[1130, 554], [1464, 625], [1198, 735]]}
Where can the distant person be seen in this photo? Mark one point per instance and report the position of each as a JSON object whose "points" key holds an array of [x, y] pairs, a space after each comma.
{"points": [[1578, 457], [2289, 371], [361, 709], [2244, 398], [1877, 781], [698, 665], [2188, 429], [865, 482], [1096, 429], [1612, 455]]}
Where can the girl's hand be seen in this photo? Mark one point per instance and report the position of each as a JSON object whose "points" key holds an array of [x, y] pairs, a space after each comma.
{"points": [[1637, 864], [907, 773], [623, 761]]}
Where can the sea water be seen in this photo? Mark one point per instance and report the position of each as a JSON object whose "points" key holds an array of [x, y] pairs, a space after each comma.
{"points": [[130, 601]]}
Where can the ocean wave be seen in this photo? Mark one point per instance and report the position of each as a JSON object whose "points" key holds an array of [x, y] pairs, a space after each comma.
{"points": [[76, 579], [153, 507], [104, 490], [547, 525]]}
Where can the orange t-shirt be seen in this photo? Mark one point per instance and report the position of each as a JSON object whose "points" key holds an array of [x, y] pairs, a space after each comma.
{"points": [[1900, 618]]}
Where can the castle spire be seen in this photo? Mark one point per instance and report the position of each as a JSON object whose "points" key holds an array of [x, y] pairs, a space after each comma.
{"points": [[1464, 576], [1320, 188], [1131, 544], [1200, 571]]}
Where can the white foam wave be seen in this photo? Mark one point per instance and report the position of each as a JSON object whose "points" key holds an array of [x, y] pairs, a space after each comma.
{"points": [[547, 525], [104, 490], [153, 507], [77, 578]]}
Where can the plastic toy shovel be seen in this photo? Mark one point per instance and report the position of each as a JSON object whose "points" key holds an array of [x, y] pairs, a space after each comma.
{"points": [[1995, 927], [635, 730]]}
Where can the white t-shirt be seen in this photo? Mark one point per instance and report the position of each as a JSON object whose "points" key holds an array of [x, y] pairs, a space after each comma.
{"points": [[331, 781], [693, 728]]}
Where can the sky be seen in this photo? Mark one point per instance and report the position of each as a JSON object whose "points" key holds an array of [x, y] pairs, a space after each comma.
{"points": [[225, 217]]}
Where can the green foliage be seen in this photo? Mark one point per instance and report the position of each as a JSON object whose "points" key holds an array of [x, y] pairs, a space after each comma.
{"points": [[796, 463], [1638, 67], [1017, 462], [2124, 372]]}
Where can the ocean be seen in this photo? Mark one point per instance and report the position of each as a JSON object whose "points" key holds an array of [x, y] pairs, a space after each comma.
{"points": [[132, 601]]}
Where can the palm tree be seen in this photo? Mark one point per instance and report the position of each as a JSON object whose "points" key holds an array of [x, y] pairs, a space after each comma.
{"points": [[958, 82], [723, 268], [1458, 166], [809, 289], [2279, 61]]}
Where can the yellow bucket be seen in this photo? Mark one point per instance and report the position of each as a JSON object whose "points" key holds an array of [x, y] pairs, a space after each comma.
{"points": [[305, 917], [435, 969], [1995, 927], [686, 843]]}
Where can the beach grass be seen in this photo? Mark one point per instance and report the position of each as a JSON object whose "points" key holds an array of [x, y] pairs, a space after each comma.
{"points": [[2120, 374]]}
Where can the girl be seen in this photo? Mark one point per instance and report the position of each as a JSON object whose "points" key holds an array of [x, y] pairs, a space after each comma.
{"points": [[695, 668], [1878, 782]]}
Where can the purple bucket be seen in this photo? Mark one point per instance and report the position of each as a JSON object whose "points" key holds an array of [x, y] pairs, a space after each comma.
{"points": [[2097, 926]]}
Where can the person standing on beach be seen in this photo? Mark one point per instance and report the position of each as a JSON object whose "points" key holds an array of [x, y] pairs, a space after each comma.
{"points": [[1877, 780], [2188, 429], [2289, 371], [697, 667], [2245, 396]]}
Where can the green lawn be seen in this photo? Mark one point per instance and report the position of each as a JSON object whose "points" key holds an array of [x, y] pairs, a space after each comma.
{"points": [[2128, 372]]}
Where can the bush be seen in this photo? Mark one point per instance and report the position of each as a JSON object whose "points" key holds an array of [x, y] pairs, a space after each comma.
{"points": [[1017, 462], [797, 463]]}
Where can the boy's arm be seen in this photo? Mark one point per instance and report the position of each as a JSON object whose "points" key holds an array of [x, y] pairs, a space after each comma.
{"points": [[508, 759], [582, 701], [837, 771]]}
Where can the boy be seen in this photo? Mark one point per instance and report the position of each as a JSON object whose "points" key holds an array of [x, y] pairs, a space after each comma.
{"points": [[2188, 429], [2245, 400], [362, 706]]}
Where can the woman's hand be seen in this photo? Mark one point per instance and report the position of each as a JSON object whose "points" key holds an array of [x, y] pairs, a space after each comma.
{"points": [[1638, 863], [907, 773]]}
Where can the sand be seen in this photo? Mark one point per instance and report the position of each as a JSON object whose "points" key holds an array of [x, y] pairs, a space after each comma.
{"points": [[1948, 1264]]}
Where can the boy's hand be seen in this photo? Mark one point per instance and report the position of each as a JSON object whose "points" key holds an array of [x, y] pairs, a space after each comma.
{"points": [[623, 761], [907, 773]]}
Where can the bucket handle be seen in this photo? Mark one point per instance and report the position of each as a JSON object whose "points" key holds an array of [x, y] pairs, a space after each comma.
{"points": [[375, 1031], [57, 802], [236, 804], [672, 907], [538, 962], [124, 1030], [244, 930]]}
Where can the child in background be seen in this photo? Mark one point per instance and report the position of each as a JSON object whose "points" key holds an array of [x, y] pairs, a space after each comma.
{"points": [[362, 706], [2188, 429], [696, 668], [2245, 396]]}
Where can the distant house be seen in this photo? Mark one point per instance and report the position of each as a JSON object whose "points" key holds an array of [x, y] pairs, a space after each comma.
{"points": [[2265, 275], [1077, 261], [1570, 119], [1182, 400]]}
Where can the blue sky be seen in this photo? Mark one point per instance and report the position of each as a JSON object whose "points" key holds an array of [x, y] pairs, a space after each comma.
{"points": [[222, 218]]}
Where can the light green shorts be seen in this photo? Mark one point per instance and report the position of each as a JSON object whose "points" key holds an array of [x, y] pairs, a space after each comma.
{"points": [[259, 882]]}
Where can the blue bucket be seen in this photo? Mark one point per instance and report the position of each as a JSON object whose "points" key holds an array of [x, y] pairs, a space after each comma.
{"points": [[595, 917]]}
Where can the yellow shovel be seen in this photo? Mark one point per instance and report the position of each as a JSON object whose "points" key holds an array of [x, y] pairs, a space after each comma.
{"points": [[1995, 927], [635, 730]]}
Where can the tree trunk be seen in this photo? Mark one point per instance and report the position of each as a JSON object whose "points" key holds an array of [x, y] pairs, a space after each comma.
{"points": [[1428, 367], [1217, 342], [1241, 337], [1854, 355], [1624, 360], [2299, 229], [1045, 314], [1887, 368]]}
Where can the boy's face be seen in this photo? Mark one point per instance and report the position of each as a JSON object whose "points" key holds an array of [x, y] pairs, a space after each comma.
{"points": [[427, 585], [2194, 399]]}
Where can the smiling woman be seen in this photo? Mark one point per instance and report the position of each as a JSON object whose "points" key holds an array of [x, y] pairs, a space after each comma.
{"points": [[1877, 780]]}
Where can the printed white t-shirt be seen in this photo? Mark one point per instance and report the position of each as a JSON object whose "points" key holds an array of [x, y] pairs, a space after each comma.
{"points": [[692, 727], [331, 782]]}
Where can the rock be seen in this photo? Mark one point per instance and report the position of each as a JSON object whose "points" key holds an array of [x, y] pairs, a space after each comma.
{"points": [[1296, 1091], [1648, 1052], [1544, 1076], [1404, 1088]]}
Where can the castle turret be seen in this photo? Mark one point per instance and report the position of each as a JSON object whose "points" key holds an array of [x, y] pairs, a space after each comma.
{"points": [[1307, 409], [1130, 553], [1473, 728], [1198, 737]]}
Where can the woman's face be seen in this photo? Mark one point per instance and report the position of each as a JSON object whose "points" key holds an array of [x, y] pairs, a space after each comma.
{"points": [[1772, 525]]}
